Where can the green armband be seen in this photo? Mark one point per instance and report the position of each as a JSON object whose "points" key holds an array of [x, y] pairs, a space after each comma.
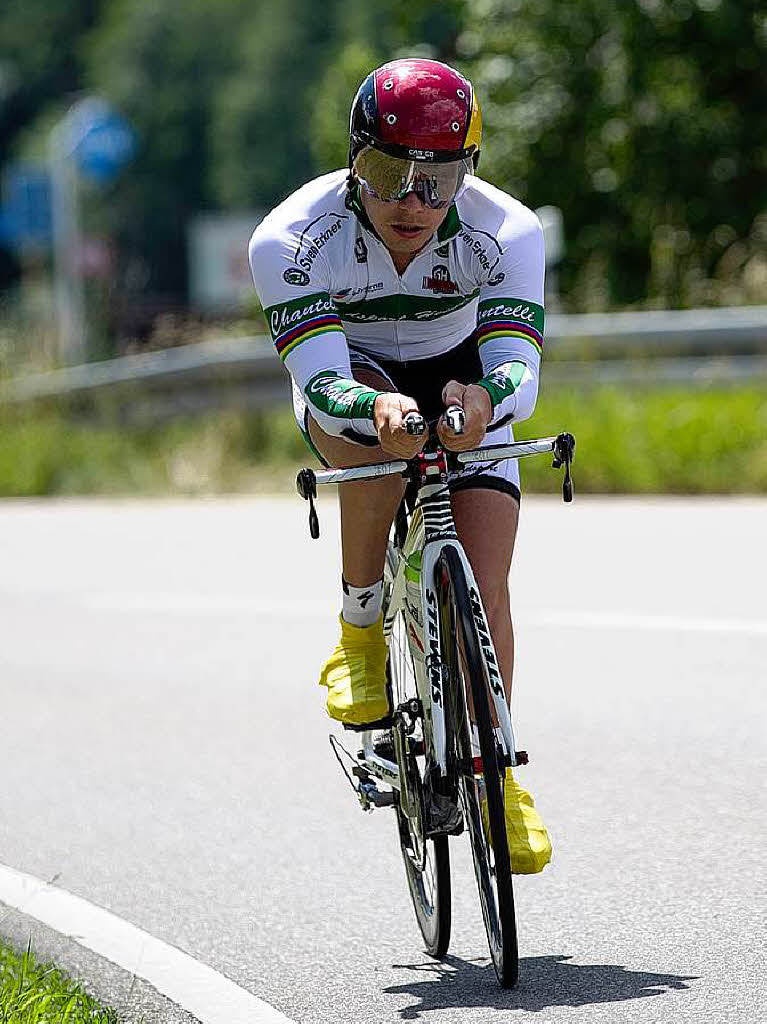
{"points": [[341, 397], [502, 381]]}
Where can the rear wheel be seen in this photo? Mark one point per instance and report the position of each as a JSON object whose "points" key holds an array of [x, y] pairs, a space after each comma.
{"points": [[427, 861], [481, 777]]}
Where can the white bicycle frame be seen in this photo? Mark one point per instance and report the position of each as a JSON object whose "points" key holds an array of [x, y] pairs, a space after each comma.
{"points": [[431, 529]]}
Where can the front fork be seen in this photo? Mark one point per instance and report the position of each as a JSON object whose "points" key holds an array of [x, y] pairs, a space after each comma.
{"points": [[436, 669]]}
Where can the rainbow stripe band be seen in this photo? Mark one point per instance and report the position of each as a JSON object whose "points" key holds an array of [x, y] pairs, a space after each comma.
{"points": [[509, 329], [308, 329]]}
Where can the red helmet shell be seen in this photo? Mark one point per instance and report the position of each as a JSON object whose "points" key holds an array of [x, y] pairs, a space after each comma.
{"points": [[417, 108], [422, 104]]}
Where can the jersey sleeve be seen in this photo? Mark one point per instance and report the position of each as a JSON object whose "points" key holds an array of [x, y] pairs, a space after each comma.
{"points": [[510, 319], [307, 332]]}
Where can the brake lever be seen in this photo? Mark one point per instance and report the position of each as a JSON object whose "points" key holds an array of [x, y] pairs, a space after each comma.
{"points": [[306, 484], [564, 450]]}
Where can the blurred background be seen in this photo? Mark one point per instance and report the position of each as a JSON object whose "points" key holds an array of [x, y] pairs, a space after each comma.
{"points": [[142, 140]]}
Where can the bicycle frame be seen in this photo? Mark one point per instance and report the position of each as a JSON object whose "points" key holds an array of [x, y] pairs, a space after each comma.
{"points": [[430, 531]]}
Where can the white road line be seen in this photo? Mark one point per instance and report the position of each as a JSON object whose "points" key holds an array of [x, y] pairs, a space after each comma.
{"points": [[195, 987], [630, 620], [227, 604], [215, 604]]}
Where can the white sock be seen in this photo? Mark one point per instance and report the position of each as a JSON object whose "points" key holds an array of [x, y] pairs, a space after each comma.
{"points": [[362, 605]]}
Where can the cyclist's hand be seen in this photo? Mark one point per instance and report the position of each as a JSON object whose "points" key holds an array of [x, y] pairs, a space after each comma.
{"points": [[477, 410], [389, 412]]}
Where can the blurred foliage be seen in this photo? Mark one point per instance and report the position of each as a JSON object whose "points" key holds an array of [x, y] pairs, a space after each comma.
{"points": [[644, 122], [627, 442], [642, 119]]}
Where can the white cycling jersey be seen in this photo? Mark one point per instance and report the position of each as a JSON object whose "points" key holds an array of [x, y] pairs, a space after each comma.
{"points": [[326, 281]]}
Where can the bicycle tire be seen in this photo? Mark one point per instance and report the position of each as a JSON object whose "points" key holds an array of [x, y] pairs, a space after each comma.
{"points": [[426, 861], [487, 832]]}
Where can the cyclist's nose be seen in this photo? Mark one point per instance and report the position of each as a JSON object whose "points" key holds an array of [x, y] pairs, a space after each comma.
{"points": [[411, 202]]}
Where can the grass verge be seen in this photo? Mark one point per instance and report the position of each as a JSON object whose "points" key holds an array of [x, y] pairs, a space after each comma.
{"points": [[34, 993], [628, 442]]}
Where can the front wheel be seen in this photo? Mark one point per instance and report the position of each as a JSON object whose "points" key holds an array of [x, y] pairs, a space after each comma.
{"points": [[427, 861], [481, 777]]}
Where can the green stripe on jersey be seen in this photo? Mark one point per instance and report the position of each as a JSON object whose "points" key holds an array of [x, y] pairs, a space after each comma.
{"points": [[341, 397], [401, 307]]}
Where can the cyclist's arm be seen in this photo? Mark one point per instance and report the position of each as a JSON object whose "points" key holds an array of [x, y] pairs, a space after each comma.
{"points": [[510, 321], [308, 334]]}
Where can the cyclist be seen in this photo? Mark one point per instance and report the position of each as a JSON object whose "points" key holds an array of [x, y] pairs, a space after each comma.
{"points": [[406, 283]]}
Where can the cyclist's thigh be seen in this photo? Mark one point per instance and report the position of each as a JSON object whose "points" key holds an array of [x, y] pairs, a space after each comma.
{"points": [[338, 451], [486, 521]]}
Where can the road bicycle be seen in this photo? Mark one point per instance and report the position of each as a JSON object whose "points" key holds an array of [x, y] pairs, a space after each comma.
{"points": [[443, 751]]}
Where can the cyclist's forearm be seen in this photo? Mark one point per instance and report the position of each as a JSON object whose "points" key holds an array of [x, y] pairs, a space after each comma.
{"points": [[513, 390], [510, 340], [339, 403]]}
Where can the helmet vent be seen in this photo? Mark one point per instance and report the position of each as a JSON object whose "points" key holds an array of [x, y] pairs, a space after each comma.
{"points": [[461, 94], [389, 84], [391, 118], [455, 126]]}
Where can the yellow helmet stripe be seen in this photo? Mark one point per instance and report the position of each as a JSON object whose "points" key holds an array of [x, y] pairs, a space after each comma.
{"points": [[474, 131]]}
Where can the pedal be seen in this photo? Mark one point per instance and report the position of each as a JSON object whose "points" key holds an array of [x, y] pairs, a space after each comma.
{"points": [[368, 793]]}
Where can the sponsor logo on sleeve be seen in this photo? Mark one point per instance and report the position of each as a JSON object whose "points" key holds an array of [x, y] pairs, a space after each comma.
{"points": [[517, 312], [316, 236], [291, 314], [295, 276]]}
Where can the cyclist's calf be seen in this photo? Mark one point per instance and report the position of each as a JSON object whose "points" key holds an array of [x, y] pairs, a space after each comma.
{"points": [[368, 506]]}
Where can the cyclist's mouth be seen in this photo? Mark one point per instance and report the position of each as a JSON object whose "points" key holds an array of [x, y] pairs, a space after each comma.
{"points": [[407, 230]]}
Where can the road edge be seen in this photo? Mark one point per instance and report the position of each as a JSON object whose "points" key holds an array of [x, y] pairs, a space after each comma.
{"points": [[194, 987]]}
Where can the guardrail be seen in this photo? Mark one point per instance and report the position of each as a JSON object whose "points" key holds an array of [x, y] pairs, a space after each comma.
{"points": [[728, 346]]}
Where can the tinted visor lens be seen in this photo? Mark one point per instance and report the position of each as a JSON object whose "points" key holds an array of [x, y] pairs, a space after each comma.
{"points": [[391, 178]]}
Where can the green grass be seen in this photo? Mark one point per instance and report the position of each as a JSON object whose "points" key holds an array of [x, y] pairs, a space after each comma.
{"points": [[638, 442], [656, 442], [34, 993]]}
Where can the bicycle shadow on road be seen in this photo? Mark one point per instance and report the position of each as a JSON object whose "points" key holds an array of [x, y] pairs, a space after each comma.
{"points": [[544, 982]]}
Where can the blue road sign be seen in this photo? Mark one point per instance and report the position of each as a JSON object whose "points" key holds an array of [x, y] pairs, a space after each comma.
{"points": [[106, 145], [26, 212]]}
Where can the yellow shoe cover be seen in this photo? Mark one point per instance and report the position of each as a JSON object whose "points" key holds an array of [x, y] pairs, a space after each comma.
{"points": [[355, 675], [529, 843]]}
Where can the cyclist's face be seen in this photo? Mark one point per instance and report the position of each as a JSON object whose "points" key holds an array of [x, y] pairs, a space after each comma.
{"points": [[404, 226]]}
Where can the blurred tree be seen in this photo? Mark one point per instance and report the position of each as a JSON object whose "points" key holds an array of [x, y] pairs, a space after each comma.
{"points": [[369, 36], [262, 111], [161, 63], [40, 58], [644, 121]]}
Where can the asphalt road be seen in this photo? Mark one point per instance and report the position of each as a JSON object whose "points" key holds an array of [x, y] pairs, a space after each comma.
{"points": [[163, 751]]}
